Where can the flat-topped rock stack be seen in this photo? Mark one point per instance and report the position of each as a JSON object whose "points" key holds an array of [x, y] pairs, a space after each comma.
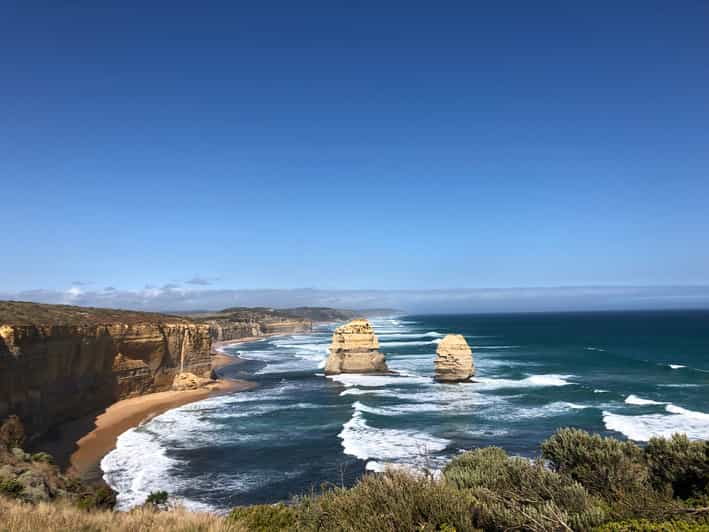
{"points": [[454, 359], [355, 349]]}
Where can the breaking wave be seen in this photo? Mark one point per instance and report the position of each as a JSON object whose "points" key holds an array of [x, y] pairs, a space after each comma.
{"points": [[530, 382], [635, 400], [678, 420], [402, 446]]}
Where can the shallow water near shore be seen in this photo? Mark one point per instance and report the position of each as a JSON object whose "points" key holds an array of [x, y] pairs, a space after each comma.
{"points": [[630, 374]]}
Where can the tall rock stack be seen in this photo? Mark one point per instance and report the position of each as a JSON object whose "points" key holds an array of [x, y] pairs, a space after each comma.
{"points": [[454, 359], [355, 349]]}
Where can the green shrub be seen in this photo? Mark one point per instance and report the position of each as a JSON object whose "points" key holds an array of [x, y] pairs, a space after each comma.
{"points": [[644, 525], [680, 464], [265, 517], [393, 501], [158, 499], [11, 488], [604, 466], [102, 497], [43, 457], [514, 493]]}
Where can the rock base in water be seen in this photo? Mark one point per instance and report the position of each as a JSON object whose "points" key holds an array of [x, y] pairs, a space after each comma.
{"points": [[355, 349], [454, 359]]}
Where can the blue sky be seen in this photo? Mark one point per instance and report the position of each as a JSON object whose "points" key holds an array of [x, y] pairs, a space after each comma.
{"points": [[371, 146]]}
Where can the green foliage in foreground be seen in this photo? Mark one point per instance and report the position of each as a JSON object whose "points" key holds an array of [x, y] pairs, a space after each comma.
{"points": [[515, 493], [158, 499], [10, 488], [582, 482], [266, 517], [644, 525], [99, 497], [680, 465], [396, 501]]}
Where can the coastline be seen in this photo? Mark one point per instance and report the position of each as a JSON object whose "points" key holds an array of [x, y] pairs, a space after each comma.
{"points": [[90, 447], [85, 461], [221, 358]]}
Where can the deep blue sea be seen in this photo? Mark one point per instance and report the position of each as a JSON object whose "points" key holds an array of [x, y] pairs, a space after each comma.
{"points": [[626, 374]]}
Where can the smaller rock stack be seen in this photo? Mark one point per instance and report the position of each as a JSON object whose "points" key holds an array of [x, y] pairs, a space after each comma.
{"points": [[355, 349], [454, 359]]}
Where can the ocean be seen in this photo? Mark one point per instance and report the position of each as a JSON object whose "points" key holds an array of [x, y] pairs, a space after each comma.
{"points": [[625, 374]]}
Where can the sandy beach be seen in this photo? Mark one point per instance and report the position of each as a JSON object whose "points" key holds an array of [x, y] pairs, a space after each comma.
{"points": [[128, 413]]}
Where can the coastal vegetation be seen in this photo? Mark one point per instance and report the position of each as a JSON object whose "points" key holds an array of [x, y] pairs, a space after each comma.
{"points": [[581, 481]]}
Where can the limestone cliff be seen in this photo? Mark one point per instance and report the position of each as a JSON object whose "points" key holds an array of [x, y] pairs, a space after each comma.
{"points": [[59, 363], [233, 324], [454, 359], [355, 349]]}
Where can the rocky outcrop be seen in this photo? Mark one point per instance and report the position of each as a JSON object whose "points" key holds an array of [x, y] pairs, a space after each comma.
{"points": [[190, 381], [59, 363], [34, 477], [355, 349], [454, 359]]}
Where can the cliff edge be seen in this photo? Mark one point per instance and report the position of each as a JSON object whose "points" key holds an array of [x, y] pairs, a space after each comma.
{"points": [[60, 362]]}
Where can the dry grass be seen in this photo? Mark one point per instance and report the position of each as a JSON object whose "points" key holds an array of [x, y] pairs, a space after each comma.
{"points": [[55, 517]]}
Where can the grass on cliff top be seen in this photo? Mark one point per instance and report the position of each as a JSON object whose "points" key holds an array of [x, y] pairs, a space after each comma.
{"points": [[18, 516], [25, 313]]}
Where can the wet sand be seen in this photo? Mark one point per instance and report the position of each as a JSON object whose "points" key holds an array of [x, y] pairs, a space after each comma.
{"points": [[129, 413], [81, 444]]}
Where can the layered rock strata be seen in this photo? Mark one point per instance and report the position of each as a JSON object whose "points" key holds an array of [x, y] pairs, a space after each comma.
{"points": [[226, 329], [355, 349], [60, 366], [454, 359]]}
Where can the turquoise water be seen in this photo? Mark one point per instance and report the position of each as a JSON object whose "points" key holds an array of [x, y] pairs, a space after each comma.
{"points": [[631, 374]]}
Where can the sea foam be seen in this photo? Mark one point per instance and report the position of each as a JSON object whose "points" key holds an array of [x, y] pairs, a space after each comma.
{"points": [[635, 400], [532, 381], [389, 445], [357, 379], [642, 428]]}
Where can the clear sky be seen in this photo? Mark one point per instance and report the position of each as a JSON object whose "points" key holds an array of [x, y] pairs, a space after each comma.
{"points": [[353, 145]]}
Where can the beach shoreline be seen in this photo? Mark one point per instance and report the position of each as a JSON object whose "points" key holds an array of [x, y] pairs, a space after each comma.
{"points": [[123, 415], [78, 446], [222, 358], [100, 437]]}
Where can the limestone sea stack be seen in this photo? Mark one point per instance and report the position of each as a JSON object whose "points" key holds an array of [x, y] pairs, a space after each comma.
{"points": [[454, 359], [355, 349]]}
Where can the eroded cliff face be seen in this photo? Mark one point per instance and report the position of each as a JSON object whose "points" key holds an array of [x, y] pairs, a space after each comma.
{"points": [[454, 359], [54, 373], [59, 363], [223, 330], [355, 349]]}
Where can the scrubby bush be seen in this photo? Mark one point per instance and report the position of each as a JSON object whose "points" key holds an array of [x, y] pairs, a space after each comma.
{"points": [[10, 488], [266, 517], [680, 464], [157, 499], [604, 466], [12, 433], [101, 497], [394, 501], [515, 493], [43, 457], [644, 525]]}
